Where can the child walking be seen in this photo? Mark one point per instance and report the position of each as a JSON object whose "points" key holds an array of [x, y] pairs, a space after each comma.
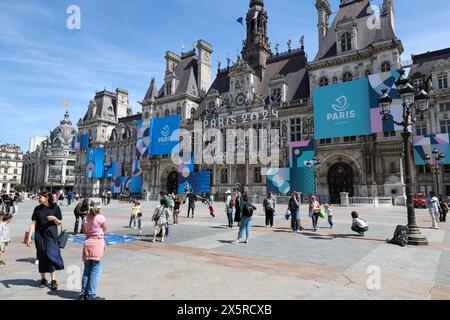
{"points": [[329, 213], [135, 209], [211, 209], [139, 220], [4, 236]]}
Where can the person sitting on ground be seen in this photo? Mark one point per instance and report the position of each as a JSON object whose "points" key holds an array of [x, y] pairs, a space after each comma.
{"points": [[359, 225]]}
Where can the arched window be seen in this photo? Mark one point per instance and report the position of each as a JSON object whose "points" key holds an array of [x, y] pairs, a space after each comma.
{"points": [[157, 115], [385, 67], [323, 82], [346, 42], [169, 88], [166, 113], [335, 80], [347, 77], [192, 113], [368, 72], [179, 111]]}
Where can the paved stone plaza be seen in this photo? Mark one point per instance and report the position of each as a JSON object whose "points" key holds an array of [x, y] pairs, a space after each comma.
{"points": [[198, 260]]}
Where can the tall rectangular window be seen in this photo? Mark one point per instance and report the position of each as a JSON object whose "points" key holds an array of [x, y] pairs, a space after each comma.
{"points": [[421, 129], [443, 81], [418, 83], [257, 177], [444, 106], [445, 126], [224, 176], [296, 130]]}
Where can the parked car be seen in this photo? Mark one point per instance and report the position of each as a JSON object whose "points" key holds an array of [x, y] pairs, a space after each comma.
{"points": [[420, 200]]}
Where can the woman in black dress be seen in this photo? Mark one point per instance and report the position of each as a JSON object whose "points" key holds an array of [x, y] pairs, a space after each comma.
{"points": [[237, 215], [45, 221]]}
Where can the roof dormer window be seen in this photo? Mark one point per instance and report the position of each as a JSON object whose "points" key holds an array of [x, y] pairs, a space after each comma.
{"points": [[346, 42], [385, 67], [323, 82], [347, 77]]}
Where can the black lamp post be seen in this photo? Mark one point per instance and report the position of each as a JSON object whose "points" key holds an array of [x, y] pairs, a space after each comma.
{"points": [[436, 165], [315, 165], [407, 93]]}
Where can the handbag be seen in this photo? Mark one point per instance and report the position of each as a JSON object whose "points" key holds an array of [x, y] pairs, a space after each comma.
{"points": [[322, 213], [63, 237], [288, 214]]}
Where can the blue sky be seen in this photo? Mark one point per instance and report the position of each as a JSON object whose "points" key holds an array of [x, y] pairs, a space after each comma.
{"points": [[122, 44]]}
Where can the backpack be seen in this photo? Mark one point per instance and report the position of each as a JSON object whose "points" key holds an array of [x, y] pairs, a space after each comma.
{"points": [[400, 236], [232, 203], [247, 211]]}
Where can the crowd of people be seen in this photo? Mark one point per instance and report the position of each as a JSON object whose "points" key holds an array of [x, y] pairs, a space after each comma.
{"points": [[47, 217]]}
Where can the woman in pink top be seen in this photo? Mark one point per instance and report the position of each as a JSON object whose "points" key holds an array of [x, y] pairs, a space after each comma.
{"points": [[93, 250]]}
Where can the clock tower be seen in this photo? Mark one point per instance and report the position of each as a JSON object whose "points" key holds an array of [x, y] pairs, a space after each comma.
{"points": [[256, 49]]}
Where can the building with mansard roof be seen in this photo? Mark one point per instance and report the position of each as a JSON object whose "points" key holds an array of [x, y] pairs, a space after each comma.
{"points": [[51, 166], [431, 71], [266, 89], [353, 46]]}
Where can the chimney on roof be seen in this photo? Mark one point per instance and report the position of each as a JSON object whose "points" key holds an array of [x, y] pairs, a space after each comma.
{"points": [[204, 66], [324, 12]]}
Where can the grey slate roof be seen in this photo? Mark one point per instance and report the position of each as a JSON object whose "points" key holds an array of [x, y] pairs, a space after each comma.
{"points": [[187, 72], [104, 100], [152, 92], [292, 66], [359, 11], [423, 63]]}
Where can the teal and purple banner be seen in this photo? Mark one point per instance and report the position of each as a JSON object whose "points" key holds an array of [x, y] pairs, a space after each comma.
{"points": [[80, 142], [165, 136], [95, 158], [424, 145], [352, 109], [142, 138], [198, 182]]}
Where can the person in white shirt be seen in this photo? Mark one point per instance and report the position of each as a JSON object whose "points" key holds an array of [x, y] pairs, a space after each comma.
{"points": [[433, 209], [329, 213], [4, 235], [359, 225]]}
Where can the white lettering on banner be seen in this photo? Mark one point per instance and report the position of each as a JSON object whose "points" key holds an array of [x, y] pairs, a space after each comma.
{"points": [[243, 118], [341, 110]]}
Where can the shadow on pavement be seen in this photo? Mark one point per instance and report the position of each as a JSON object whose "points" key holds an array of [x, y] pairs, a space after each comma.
{"points": [[20, 282], [27, 260], [70, 295]]}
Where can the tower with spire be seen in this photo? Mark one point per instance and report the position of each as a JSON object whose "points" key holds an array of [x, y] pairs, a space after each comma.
{"points": [[256, 49]]}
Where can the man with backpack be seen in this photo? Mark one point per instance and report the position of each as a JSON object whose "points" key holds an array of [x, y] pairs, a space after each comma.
{"points": [[247, 209]]}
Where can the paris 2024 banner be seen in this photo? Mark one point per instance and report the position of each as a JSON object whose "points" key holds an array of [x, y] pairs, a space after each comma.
{"points": [[352, 109]]}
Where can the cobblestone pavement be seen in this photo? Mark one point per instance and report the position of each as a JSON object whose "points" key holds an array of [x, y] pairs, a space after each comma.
{"points": [[198, 260]]}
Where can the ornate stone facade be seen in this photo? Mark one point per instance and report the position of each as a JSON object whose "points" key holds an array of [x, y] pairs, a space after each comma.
{"points": [[52, 165]]}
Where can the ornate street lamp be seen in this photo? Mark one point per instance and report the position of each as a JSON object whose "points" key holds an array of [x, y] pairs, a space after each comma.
{"points": [[315, 165], [435, 165], [409, 99]]}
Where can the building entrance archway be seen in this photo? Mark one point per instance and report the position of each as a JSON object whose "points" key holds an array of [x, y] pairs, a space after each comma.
{"points": [[340, 179], [172, 182]]}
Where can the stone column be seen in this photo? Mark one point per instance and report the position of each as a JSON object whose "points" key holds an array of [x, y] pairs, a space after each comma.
{"points": [[63, 174], [46, 172], [345, 202]]}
